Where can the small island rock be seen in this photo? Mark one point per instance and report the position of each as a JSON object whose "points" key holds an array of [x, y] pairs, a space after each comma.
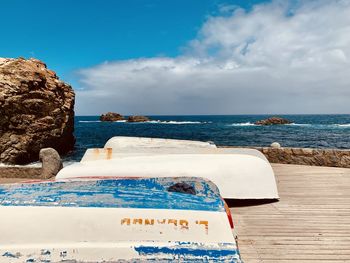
{"points": [[111, 116], [273, 121], [138, 119], [36, 111]]}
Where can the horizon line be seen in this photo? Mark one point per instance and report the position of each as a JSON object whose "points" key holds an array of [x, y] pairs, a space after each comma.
{"points": [[244, 114]]}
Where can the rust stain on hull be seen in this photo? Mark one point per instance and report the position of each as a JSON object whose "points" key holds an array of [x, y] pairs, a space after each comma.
{"points": [[103, 153], [109, 153]]}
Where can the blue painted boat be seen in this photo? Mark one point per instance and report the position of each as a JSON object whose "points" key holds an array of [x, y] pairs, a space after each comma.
{"points": [[116, 219]]}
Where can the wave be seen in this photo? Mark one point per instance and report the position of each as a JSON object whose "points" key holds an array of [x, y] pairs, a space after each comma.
{"points": [[155, 122], [176, 122], [243, 124], [100, 121], [343, 125], [299, 124], [321, 125]]}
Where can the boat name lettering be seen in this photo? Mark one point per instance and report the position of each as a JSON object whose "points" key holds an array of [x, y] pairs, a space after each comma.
{"points": [[178, 223]]}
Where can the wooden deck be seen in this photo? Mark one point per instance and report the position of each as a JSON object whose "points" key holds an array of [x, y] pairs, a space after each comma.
{"points": [[310, 223]]}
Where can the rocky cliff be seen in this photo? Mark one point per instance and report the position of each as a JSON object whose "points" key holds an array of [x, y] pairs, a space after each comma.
{"points": [[36, 111]]}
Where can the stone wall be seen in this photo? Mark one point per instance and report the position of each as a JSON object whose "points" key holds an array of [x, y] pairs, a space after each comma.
{"points": [[307, 156], [51, 165]]}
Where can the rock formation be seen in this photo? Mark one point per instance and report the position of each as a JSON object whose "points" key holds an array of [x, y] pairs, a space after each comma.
{"points": [[138, 119], [36, 111], [273, 121], [111, 116]]}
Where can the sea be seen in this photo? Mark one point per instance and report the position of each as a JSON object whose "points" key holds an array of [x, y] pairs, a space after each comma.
{"points": [[314, 131]]}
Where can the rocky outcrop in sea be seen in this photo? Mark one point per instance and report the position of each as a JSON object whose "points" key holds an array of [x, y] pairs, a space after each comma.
{"points": [[138, 119], [273, 121], [36, 111], [111, 116]]}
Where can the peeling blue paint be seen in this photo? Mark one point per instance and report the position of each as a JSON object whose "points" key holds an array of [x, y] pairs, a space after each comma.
{"points": [[193, 252], [143, 250], [152, 252], [9, 255], [115, 193], [45, 252], [63, 254]]}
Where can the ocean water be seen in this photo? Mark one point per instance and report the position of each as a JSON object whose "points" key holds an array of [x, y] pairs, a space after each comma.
{"points": [[315, 131]]}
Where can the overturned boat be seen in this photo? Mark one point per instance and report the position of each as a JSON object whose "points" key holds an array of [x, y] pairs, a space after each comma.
{"points": [[116, 220], [239, 173]]}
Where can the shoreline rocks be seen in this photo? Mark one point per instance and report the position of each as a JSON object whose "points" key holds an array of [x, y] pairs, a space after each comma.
{"points": [[111, 116], [36, 109], [273, 121]]}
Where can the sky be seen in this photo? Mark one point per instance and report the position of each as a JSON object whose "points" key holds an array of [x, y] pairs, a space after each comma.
{"points": [[167, 57]]}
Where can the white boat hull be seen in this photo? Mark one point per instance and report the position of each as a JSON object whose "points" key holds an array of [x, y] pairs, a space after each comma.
{"points": [[97, 234], [238, 176], [113, 220]]}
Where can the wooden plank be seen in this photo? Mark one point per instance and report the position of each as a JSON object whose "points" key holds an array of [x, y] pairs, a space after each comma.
{"points": [[310, 223]]}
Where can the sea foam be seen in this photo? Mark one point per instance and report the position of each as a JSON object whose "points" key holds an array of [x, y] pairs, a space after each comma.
{"points": [[154, 122], [299, 124], [177, 122], [344, 125], [243, 124]]}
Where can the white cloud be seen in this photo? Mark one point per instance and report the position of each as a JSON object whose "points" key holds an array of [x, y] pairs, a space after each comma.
{"points": [[276, 58]]}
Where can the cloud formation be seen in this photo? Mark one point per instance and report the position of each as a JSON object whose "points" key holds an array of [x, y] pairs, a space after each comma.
{"points": [[278, 57]]}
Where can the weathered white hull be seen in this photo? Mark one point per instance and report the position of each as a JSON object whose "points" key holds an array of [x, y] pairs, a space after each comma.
{"points": [[121, 252], [97, 234], [240, 173], [96, 154], [133, 220], [238, 176]]}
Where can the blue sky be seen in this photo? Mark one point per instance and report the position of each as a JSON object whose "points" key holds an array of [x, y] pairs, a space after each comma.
{"points": [[189, 56], [73, 34]]}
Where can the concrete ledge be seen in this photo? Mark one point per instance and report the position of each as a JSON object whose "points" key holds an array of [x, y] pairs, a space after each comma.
{"points": [[51, 164]]}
